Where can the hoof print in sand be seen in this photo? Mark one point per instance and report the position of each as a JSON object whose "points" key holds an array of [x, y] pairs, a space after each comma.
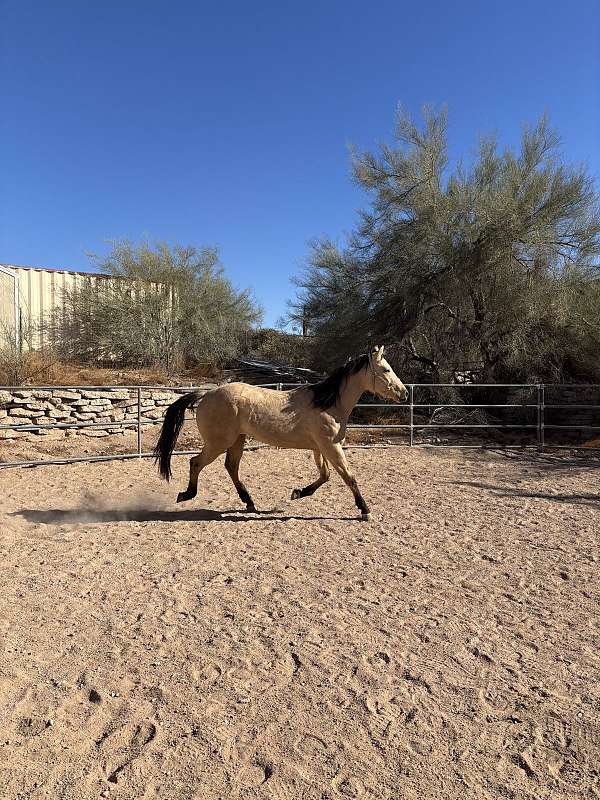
{"points": [[311, 746], [253, 776], [346, 786], [205, 673], [32, 726], [122, 746]]}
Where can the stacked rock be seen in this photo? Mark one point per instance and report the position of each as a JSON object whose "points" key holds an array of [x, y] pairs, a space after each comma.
{"points": [[101, 409]]}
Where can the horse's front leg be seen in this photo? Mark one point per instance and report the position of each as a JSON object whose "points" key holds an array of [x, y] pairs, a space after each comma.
{"points": [[336, 457]]}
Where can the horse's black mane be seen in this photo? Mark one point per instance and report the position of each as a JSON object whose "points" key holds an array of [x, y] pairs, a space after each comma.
{"points": [[326, 393]]}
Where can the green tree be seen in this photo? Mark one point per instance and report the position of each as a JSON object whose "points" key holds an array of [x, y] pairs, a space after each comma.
{"points": [[488, 266], [281, 347], [171, 306]]}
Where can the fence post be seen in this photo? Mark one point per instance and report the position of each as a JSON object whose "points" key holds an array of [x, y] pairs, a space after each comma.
{"points": [[411, 391], [139, 422], [279, 389], [540, 415]]}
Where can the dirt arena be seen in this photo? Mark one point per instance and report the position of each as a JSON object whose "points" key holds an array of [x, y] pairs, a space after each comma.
{"points": [[449, 648]]}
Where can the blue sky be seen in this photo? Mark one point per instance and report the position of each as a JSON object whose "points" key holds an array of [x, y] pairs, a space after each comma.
{"points": [[228, 123]]}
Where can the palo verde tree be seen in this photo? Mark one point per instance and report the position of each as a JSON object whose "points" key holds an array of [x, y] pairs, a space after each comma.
{"points": [[491, 266], [168, 306]]}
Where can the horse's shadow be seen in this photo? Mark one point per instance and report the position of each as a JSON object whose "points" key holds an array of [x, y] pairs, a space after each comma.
{"points": [[74, 516]]}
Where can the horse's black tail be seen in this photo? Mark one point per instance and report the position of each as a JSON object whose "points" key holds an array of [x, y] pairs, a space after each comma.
{"points": [[169, 432]]}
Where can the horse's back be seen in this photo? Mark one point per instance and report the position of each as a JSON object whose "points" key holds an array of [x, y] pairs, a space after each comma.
{"points": [[242, 396], [284, 419]]}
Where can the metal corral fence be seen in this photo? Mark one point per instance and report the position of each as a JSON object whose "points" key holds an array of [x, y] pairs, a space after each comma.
{"points": [[536, 409]]}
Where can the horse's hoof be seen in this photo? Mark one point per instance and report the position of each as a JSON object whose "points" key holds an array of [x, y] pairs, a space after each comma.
{"points": [[184, 496], [296, 494], [250, 507], [364, 517]]}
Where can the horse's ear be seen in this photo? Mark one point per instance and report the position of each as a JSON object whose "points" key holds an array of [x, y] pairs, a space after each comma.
{"points": [[381, 350]]}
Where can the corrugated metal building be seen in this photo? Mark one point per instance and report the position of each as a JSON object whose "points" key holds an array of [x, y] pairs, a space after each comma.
{"points": [[40, 292], [31, 296], [9, 306]]}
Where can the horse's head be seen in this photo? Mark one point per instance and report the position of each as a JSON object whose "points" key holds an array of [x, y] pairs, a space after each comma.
{"points": [[382, 379]]}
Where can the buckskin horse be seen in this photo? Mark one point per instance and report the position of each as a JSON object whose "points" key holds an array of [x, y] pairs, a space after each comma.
{"points": [[311, 417]]}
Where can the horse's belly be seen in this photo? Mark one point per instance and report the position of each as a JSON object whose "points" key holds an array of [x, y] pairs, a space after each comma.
{"points": [[274, 433]]}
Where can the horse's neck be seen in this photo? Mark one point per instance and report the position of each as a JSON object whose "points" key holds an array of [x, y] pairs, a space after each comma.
{"points": [[350, 394]]}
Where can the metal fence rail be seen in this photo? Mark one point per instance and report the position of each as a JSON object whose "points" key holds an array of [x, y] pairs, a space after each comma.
{"points": [[540, 426]]}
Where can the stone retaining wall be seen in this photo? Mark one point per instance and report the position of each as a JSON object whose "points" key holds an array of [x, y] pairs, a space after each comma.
{"points": [[73, 406]]}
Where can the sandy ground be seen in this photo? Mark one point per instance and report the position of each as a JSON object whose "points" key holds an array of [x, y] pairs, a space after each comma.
{"points": [[447, 649]]}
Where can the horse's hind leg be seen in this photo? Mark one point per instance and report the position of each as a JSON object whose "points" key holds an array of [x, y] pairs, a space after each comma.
{"points": [[232, 465], [324, 472], [197, 463]]}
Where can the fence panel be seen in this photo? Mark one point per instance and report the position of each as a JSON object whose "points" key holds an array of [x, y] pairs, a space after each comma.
{"points": [[536, 427]]}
